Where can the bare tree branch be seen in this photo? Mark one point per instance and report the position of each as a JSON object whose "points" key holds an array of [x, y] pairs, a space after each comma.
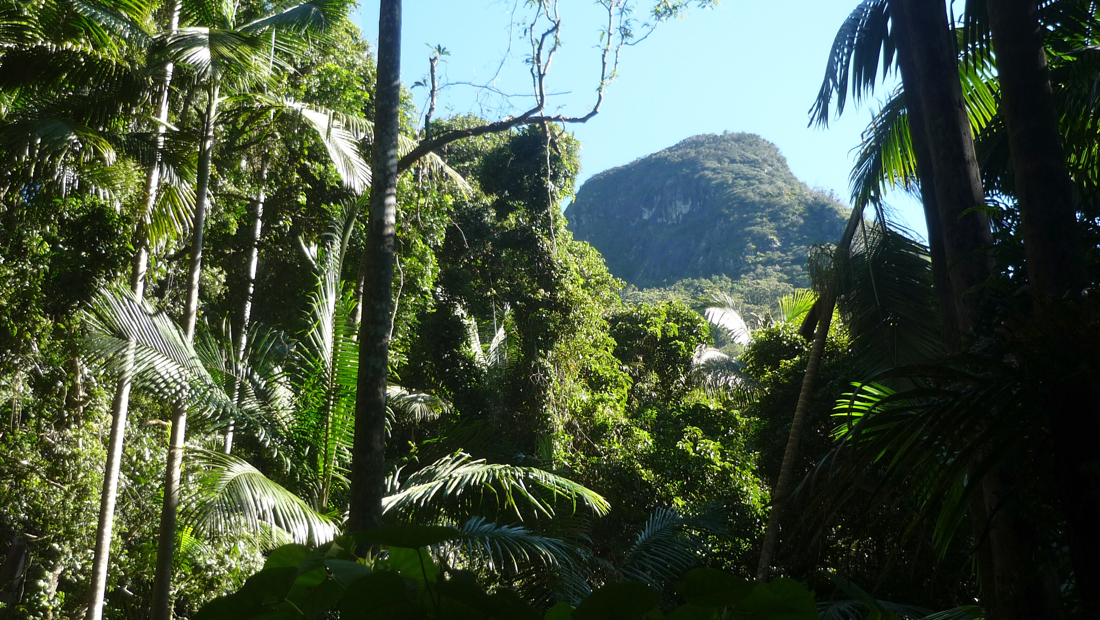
{"points": [[544, 45]]}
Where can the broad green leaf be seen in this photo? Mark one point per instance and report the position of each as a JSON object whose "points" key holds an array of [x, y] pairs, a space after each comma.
{"points": [[269, 586], [230, 607], [379, 596], [346, 572], [305, 584], [507, 605], [561, 611], [856, 593], [503, 605], [711, 588], [618, 601], [287, 555], [320, 598], [467, 593], [259, 595], [692, 612], [413, 563], [408, 536], [782, 599]]}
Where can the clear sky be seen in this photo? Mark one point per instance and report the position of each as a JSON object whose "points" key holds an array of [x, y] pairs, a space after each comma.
{"points": [[747, 65]]}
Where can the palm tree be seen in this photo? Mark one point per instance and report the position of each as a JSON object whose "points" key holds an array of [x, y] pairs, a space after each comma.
{"points": [[927, 59], [1056, 269], [234, 496], [821, 316], [368, 466], [339, 133], [715, 370], [222, 52], [120, 404]]}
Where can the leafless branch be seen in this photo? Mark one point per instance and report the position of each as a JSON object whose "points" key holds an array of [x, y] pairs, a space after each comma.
{"points": [[433, 92], [543, 35]]}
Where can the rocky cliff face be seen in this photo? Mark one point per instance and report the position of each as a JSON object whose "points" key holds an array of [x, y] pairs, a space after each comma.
{"points": [[711, 205]]}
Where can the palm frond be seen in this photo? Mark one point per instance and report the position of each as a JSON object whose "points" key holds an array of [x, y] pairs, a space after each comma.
{"points": [[886, 157], [255, 380], [497, 547], [717, 372], [724, 316], [50, 141], [497, 354], [862, 605], [329, 361], [232, 496], [225, 55], [888, 302], [338, 132], [434, 163], [172, 216], [965, 612], [301, 16], [794, 307], [861, 45], [129, 337], [414, 406], [669, 545], [124, 21], [459, 478], [931, 444]]}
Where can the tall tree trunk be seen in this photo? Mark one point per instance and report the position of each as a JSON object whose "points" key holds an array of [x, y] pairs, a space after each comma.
{"points": [[249, 290], [121, 403], [160, 608], [824, 307], [1057, 273], [368, 453], [941, 279], [955, 172], [933, 57]]}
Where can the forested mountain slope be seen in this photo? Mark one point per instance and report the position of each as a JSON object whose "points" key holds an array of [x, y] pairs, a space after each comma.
{"points": [[712, 205]]}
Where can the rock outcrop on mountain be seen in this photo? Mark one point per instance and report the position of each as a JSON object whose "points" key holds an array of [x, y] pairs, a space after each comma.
{"points": [[712, 205]]}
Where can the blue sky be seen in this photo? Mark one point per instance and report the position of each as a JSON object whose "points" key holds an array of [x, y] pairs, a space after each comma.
{"points": [[746, 65]]}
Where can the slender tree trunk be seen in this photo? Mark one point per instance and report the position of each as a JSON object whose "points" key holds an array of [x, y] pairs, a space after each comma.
{"points": [[121, 404], [368, 458], [166, 541], [940, 276], [918, 136], [249, 290], [1057, 273], [955, 171], [825, 306]]}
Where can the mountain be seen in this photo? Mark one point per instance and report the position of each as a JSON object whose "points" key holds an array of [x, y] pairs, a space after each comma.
{"points": [[713, 205]]}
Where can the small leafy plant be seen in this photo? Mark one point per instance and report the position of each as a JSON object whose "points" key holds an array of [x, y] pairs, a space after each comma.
{"points": [[402, 582]]}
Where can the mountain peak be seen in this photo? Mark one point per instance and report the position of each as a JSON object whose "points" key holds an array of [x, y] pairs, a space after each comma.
{"points": [[710, 205]]}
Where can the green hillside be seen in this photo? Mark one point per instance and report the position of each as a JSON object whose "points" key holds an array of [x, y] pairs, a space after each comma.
{"points": [[711, 206]]}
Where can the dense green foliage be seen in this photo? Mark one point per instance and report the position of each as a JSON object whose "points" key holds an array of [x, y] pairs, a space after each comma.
{"points": [[565, 437]]}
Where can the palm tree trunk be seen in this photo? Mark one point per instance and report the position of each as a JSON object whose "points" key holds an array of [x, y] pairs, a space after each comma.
{"points": [[940, 277], [160, 608], [786, 471], [933, 58], [955, 172], [1056, 270], [368, 458], [121, 403], [923, 155], [825, 305], [249, 290]]}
